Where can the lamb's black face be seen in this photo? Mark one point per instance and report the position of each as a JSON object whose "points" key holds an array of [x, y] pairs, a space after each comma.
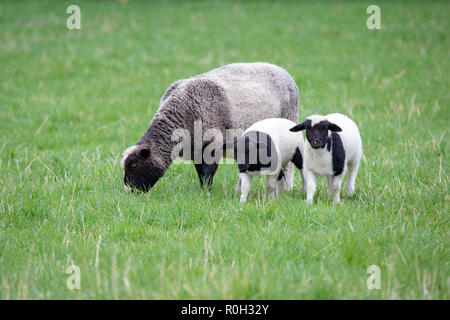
{"points": [[317, 135], [141, 171]]}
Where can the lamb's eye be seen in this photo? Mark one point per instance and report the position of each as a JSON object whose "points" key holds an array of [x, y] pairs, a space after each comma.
{"points": [[133, 165]]}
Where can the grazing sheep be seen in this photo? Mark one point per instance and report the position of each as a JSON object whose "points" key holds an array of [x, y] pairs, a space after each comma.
{"points": [[330, 153], [233, 96], [267, 148]]}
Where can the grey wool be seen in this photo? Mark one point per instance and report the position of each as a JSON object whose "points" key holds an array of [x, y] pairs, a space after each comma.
{"points": [[233, 96]]}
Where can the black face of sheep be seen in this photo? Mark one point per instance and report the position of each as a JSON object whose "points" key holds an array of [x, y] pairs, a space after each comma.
{"points": [[317, 134], [141, 172]]}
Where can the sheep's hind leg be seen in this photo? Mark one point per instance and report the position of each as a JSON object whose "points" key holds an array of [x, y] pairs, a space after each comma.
{"points": [[206, 173]]}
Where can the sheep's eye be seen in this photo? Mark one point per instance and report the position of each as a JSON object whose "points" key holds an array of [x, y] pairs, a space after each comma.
{"points": [[133, 165]]}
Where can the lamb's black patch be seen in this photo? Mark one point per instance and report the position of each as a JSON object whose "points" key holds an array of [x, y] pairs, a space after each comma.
{"points": [[328, 144], [280, 175], [297, 159], [337, 154], [262, 141]]}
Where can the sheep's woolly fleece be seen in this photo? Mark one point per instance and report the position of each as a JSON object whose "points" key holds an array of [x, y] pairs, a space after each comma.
{"points": [[233, 96]]}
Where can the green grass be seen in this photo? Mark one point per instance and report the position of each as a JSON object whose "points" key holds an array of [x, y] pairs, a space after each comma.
{"points": [[72, 101]]}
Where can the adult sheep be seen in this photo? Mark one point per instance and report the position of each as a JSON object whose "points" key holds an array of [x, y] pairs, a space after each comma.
{"points": [[233, 96]]}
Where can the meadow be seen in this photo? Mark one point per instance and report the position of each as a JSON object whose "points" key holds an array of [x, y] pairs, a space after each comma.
{"points": [[72, 100]]}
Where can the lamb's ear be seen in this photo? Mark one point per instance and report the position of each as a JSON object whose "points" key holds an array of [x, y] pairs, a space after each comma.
{"points": [[334, 127], [300, 127], [144, 152]]}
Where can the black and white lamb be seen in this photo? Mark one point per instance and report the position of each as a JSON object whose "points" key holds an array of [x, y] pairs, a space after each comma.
{"points": [[333, 146], [233, 96], [268, 148]]}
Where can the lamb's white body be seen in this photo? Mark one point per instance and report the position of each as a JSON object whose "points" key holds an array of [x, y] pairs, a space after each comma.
{"points": [[317, 162], [286, 143]]}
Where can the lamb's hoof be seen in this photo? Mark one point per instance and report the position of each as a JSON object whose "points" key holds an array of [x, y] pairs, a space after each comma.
{"points": [[272, 196], [289, 188], [350, 192]]}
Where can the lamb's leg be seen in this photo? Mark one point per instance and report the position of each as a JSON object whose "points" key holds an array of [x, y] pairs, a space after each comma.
{"points": [[238, 185], [330, 184], [288, 176], [206, 173], [336, 187], [303, 182], [311, 181], [281, 180], [352, 172], [245, 185], [272, 187]]}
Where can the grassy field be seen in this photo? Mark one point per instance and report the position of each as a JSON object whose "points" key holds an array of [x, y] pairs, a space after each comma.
{"points": [[72, 100]]}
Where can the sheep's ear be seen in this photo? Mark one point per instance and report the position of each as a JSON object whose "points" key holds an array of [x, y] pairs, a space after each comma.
{"points": [[334, 127], [300, 127], [144, 152]]}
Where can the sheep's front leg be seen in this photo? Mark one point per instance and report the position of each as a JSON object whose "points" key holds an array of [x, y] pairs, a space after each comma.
{"points": [[311, 181], [206, 173], [336, 187], [245, 185], [272, 187]]}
